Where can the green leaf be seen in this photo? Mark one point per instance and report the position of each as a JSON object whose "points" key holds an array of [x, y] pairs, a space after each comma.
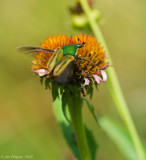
{"points": [[91, 143], [64, 106], [41, 80], [91, 92], [47, 83], [96, 85], [70, 139], [91, 108], [55, 92], [61, 89], [120, 136], [89, 89]]}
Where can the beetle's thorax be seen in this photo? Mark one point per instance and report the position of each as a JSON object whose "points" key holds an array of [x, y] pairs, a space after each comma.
{"points": [[70, 49]]}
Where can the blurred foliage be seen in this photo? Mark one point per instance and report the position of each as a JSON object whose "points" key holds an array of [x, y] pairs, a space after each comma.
{"points": [[28, 126], [120, 136]]}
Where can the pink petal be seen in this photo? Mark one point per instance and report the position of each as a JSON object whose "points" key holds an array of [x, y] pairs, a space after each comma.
{"points": [[97, 78], [41, 72], [86, 83], [104, 76]]}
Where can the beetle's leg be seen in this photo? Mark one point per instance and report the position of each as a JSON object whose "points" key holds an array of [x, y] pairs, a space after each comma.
{"points": [[62, 65], [55, 58], [83, 59], [82, 91]]}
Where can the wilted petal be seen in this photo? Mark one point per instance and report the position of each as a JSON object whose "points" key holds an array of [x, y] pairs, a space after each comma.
{"points": [[97, 78], [41, 72], [104, 76], [86, 83]]}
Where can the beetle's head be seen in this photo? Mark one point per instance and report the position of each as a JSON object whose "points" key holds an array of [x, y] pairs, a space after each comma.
{"points": [[80, 45]]}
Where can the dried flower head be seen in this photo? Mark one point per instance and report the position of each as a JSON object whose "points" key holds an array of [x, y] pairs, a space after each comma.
{"points": [[77, 9]]}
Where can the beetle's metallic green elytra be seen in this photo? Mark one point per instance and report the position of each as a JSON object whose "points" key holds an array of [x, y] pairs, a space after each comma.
{"points": [[62, 57]]}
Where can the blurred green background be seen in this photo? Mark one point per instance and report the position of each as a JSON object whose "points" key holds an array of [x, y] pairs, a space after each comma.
{"points": [[27, 123]]}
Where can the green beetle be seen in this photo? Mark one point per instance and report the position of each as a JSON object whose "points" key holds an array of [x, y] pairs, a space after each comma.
{"points": [[61, 59]]}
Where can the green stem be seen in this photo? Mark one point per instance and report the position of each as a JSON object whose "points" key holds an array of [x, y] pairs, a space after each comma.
{"points": [[75, 109], [114, 86]]}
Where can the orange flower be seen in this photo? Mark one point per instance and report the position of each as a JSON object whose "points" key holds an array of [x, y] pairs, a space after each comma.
{"points": [[92, 67]]}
